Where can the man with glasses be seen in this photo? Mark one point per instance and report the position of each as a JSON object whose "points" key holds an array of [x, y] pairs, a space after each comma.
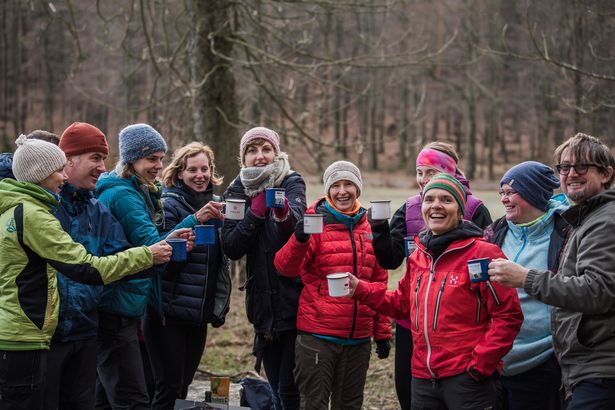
{"points": [[582, 292]]}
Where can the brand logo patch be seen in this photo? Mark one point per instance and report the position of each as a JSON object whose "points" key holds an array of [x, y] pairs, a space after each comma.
{"points": [[10, 225]]}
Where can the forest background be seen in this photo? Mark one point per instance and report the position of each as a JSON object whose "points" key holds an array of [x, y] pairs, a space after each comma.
{"points": [[370, 81]]}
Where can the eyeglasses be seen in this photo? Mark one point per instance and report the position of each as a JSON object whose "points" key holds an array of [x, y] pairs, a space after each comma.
{"points": [[507, 194], [581, 169]]}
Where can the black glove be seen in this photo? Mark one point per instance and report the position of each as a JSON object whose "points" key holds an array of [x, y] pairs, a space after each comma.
{"points": [[299, 234], [383, 347]]}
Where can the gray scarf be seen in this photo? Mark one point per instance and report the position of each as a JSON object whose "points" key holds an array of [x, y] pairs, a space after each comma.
{"points": [[257, 179]]}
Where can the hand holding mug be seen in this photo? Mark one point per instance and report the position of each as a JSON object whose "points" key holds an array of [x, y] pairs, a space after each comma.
{"points": [[184, 233], [211, 210], [353, 283], [161, 252], [507, 273]]}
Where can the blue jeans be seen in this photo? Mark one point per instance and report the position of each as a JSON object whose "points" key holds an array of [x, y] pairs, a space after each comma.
{"points": [[22, 379], [538, 388], [593, 394]]}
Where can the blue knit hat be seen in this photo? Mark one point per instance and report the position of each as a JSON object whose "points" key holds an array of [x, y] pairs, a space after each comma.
{"points": [[138, 141], [534, 181]]}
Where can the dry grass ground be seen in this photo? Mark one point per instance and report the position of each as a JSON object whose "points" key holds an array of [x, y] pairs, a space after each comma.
{"points": [[228, 349]]}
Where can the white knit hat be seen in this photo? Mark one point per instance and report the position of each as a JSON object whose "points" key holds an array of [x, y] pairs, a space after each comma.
{"points": [[35, 160], [340, 170]]}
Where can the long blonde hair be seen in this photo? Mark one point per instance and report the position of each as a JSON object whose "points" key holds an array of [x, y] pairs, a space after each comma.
{"points": [[180, 159]]}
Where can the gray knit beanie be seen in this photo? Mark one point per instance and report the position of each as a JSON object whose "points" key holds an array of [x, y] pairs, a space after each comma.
{"points": [[35, 160], [138, 141], [340, 170]]}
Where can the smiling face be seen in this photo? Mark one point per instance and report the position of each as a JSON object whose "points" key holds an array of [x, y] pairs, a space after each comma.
{"points": [[150, 166], [424, 174], [579, 188], [343, 194], [440, 211], [517, 209], [54, 181], [259, 153], [197, 174], [83, 170]]}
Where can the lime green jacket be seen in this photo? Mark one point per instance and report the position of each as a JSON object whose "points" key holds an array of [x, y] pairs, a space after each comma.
{"points": [[33, 246]]}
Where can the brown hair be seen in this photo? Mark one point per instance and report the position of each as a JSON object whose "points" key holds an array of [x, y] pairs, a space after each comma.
{"points": [[44, 136], [180, 158], [584, 147]]}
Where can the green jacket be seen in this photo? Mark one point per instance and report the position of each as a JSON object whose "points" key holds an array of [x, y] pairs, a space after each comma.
{"points": [[33, 246]]}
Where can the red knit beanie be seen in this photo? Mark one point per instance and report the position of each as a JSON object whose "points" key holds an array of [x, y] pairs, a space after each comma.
{"points": [[81, 137]]}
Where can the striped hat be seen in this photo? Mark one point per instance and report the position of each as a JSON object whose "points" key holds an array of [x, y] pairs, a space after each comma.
{"points": [[450, 185]]}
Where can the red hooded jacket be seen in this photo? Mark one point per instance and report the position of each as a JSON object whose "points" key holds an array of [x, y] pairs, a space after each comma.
{"points": [[456, 324], [336, 249]]}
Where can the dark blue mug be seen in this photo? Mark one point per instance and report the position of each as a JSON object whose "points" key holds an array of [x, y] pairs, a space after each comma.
{"points": [[478, 268], [409, 245], [275, 197], [180, 249], [205, 235]]}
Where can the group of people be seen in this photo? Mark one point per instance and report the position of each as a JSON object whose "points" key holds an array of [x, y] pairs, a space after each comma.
{"points": [[95, 314]]}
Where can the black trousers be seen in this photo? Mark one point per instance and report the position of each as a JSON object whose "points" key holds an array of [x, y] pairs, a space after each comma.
{"points": [[537, 389], [175, 352], [403, 370], [121, 379], [456, 392], [22, 379], [71, 375], [279, 362]]}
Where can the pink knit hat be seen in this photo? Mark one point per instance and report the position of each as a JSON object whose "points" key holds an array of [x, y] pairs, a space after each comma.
{"points": [[258, 133]]}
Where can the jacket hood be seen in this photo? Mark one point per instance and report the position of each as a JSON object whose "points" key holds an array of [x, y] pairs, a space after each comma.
{"points": [[6, 165], [12, 193], [557, 205], [576, 214], [111, 179]]}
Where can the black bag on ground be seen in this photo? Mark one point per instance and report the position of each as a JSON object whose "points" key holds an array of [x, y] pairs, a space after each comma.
{"points": [[256, 394]]}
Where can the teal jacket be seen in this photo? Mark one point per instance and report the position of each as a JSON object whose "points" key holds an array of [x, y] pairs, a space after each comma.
{"points": [[33, 246], [133, 206]]}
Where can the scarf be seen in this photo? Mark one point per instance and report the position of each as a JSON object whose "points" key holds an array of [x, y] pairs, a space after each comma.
{"points": [[256, 179]]}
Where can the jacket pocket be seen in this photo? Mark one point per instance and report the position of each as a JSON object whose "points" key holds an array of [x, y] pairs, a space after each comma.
{"points": [[593, 330], [416, 301], [438, 301]]}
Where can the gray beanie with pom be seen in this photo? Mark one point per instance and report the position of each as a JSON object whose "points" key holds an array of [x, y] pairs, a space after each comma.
{"points": [[35, 160]]}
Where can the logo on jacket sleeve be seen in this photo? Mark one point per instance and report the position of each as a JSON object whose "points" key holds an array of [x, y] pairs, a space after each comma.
{"points": [[10, 225]]}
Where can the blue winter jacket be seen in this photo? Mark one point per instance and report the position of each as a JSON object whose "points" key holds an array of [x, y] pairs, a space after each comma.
{"points": [[91, 224], [132, 205], [6, 165], [537, 246]]}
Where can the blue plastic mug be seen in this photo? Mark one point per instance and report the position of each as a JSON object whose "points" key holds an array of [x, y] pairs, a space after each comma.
{"points": [[205, 235], [275, 197], [180, 249], [478, 268]]}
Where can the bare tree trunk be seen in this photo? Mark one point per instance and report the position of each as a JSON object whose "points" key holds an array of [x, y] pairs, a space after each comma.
{"points": [[214, 108]]}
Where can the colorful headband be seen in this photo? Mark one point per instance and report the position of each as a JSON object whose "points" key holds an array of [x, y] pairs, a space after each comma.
{"points": [[436, 159]]}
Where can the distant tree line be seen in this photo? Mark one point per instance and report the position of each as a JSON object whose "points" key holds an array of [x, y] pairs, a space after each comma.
{"points": [[368, 80]]}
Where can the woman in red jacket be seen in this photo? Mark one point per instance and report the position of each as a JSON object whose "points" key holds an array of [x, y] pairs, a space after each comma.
{"points": [[461, 329], [332, 349]]}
